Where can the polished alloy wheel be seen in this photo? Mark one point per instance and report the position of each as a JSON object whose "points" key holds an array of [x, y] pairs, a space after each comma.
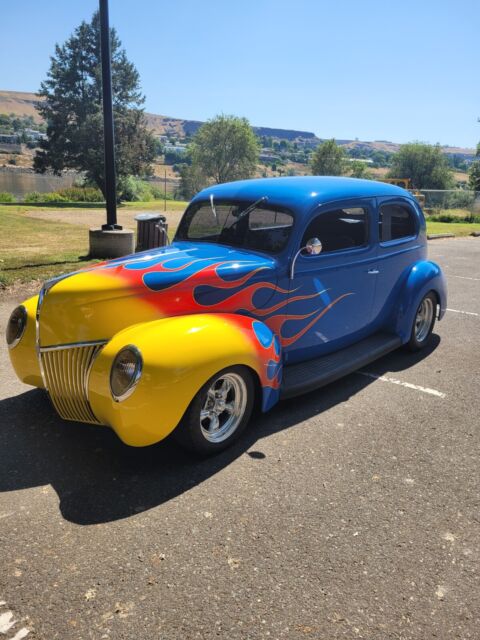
{"points": [[423, 319], [224, 407]]}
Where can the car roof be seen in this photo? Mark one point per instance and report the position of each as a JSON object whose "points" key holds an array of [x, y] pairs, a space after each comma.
{"points": [[301, 192]]}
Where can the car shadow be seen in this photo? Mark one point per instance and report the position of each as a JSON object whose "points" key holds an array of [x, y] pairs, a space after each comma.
{"points": [[98, 479]]}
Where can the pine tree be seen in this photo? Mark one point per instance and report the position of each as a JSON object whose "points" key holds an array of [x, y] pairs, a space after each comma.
{"points": [[72, 108]]}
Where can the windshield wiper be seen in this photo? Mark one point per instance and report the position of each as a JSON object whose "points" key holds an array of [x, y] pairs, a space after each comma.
{"points": [[249, 209], [212, 206]]}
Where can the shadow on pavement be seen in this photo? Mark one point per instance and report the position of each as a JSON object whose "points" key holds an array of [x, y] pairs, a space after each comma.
{"points": [[98, 479]]}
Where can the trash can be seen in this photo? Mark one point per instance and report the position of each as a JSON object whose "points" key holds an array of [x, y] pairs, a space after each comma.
{"points": [[152, 231]]}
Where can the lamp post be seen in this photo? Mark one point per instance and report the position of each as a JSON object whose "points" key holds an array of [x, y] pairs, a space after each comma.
{"points": [[111, 240], [108, 132]]}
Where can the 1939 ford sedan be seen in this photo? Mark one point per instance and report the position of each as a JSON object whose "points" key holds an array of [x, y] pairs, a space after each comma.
{"points": [[271, 288]]}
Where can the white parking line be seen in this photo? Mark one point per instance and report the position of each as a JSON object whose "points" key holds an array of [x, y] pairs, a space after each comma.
{"points": [[465, 278], [408, 385], [466, 313], [7, 623]]}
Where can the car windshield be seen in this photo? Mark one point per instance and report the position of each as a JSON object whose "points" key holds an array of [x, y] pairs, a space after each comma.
{"points": [[237, 224]]}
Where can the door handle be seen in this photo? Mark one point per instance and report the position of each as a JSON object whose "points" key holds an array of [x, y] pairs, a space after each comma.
{"points": [[373, 272]]}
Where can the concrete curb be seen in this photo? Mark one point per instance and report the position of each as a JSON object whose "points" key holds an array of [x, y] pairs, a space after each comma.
{"points": [[436, 236]]}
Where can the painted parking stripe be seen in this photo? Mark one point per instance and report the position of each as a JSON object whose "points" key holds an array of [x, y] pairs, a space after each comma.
{"points": [[7, 622], [466, 313], [465, 278], [408, 385], [23, 633]]}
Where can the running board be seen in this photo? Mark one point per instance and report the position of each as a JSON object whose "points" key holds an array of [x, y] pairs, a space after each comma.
{"points": [[307, 376]]}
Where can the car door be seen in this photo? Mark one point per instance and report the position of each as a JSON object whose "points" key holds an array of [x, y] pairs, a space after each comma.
{"points": [[401, 242], [331, 294]]}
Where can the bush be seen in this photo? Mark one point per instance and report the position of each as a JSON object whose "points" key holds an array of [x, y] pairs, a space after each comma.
{"points": [[448, 217], [81, 194], [132, 189], [34, 196], [6, 197]]}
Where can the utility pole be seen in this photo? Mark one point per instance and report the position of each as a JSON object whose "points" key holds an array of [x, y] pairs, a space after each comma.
{"points": [[109, 139]]}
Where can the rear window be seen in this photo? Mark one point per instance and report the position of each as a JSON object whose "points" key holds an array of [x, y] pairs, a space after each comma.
{"points": [[396, 221]]}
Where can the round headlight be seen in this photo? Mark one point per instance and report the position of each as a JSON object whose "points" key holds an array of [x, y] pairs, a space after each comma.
{"points": [[16, 326], [125, 372]]}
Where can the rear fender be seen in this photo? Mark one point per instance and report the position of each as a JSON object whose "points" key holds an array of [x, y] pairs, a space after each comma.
{"points": [[423, 277], [179, 355]]}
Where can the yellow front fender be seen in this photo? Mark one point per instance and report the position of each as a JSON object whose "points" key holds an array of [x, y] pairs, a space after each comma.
{"points": [[179, 355]]}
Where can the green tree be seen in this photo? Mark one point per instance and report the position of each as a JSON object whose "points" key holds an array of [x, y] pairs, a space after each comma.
{"points": [[359, 169], [72, 108], [328, 159], [192, 180], [474, 172], [225, 149], [425, 165]]}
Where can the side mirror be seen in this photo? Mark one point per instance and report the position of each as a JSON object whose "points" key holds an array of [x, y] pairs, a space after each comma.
{"points": [[312, 248]]}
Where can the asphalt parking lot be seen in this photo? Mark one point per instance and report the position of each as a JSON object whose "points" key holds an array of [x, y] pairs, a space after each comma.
{"points": [[351, 512]]}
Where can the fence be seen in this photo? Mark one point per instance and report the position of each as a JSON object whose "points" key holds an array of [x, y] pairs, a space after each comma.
{"points": [[460, 202]]}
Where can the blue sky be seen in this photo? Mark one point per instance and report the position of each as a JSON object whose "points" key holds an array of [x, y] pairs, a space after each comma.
{"points": [[376, 70]]}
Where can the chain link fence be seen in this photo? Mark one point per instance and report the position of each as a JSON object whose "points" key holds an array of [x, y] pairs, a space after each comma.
{"points": [[462, 203]]}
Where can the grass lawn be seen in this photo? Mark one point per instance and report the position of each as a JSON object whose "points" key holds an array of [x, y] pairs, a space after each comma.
{"points": [[37, 243], [458, 228]]}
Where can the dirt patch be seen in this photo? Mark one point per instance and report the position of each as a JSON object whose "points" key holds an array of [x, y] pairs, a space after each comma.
{"points": [[96, 217]]}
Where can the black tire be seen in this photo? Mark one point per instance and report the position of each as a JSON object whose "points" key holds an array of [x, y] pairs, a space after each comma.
{"points": [[201, 435], [421, 331]]}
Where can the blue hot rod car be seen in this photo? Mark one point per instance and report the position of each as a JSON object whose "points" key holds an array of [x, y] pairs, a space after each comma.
{"points": [[271, 288]]}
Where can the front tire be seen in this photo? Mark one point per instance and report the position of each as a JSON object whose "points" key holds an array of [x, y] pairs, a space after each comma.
{"points": [[423, 323], [218, 413]]}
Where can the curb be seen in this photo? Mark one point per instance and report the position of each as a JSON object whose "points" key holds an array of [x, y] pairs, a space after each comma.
{"points": [[436, 236]]}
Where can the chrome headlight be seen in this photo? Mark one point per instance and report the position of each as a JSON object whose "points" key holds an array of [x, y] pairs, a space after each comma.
{"points": [[16, 326], [125, 372]]}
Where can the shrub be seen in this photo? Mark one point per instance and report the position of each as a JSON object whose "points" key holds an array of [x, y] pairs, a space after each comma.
{"points": [[6, 197], [132, 189], [448, 217], [33, 196], [81, 194]]}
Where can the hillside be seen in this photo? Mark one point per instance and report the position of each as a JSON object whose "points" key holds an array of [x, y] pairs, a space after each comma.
{"points": [[23, 104]]}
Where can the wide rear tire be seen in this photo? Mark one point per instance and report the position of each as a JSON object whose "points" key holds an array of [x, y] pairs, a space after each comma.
{"points": [[423, 323]]}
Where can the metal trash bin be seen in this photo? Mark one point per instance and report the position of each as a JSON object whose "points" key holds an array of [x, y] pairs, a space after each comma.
{"points": [[152, 231]]}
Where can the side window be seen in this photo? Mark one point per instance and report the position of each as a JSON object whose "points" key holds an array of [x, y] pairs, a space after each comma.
{"points": [[396, 221], [339, 229]]}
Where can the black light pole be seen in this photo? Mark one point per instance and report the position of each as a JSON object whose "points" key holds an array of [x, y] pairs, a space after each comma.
{"points": [[110, 186]]}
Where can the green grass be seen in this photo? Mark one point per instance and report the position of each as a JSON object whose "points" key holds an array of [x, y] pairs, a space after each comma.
{"points": [[32, 249], [460, 229]]}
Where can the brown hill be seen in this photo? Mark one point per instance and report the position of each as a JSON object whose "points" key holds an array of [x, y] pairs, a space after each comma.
{"points": [[23, 104]]}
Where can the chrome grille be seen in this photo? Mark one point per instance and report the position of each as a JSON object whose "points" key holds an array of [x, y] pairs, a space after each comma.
{"points": [[66, 370]]}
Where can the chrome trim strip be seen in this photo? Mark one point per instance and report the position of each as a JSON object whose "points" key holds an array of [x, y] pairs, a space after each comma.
{"points": [[41, 297], [73, 345]]}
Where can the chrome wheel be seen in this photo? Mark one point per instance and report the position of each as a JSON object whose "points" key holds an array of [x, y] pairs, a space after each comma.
{"points": [[423, 319], [224, 407]]}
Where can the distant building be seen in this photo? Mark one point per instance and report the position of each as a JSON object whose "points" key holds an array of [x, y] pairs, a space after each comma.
{"points": [[33, 134], [8, 138]]}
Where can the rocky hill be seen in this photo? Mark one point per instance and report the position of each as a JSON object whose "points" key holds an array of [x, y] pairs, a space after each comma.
{"points": [[23, 104]]}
